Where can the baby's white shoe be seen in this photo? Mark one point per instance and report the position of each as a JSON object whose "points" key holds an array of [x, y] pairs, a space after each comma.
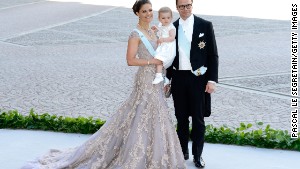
{"points": [[158, 78]]}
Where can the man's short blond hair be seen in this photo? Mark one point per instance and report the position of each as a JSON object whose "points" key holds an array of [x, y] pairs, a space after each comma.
{"points": [[165, 10]]}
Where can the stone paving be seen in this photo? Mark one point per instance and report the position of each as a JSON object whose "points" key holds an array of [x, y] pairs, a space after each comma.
{"points": [[78, 68], [4, 4]]}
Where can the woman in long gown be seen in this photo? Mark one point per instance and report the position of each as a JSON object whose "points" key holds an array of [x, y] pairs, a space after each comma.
{"points": [[140, 135]]}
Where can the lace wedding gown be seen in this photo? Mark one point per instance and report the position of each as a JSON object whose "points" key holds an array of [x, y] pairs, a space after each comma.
{"points": [[140, 135]]}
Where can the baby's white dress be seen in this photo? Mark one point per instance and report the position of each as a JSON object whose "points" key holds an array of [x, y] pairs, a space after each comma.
{"points": [[166, 51]]}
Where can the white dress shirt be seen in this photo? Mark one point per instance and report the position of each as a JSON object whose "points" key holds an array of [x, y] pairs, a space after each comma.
{"points": [[187, 26]]}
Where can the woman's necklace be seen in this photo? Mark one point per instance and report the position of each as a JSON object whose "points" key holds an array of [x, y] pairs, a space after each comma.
{"points": [[149, 32]]}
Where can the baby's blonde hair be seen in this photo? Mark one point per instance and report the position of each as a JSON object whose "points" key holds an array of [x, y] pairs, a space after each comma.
{"points": [[165, 10]]}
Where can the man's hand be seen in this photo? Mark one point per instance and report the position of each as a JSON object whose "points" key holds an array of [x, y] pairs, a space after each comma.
{"points": [[210, 87]]}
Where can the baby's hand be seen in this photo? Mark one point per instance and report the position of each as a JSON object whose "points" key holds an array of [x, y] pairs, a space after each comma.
{"points": [[160, 41], [154, 28]]}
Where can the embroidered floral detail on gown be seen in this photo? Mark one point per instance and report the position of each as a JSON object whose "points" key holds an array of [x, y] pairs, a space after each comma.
{"points": [[140, 135]]}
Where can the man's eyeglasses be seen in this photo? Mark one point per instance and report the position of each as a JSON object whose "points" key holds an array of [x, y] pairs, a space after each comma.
{"points": [[187, 6]]}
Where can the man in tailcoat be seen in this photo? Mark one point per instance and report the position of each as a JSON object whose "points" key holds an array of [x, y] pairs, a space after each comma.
{"points": [[194, 75]]}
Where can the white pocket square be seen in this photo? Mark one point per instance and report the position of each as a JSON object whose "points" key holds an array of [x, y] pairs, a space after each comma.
{"points": [[201, 34]]}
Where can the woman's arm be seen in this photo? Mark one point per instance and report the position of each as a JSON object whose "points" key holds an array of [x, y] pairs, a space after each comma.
{"points": [[132, 60]]}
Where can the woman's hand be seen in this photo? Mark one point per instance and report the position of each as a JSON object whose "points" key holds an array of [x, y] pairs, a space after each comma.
{"points": [[155, 62]]}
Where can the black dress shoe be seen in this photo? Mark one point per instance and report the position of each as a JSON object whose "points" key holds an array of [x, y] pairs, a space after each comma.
{"points": [[199, 163], [186, 156]]}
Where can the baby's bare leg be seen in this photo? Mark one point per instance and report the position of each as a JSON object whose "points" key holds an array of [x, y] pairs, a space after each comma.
{"points": [[159, 68], [158, 76]]}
